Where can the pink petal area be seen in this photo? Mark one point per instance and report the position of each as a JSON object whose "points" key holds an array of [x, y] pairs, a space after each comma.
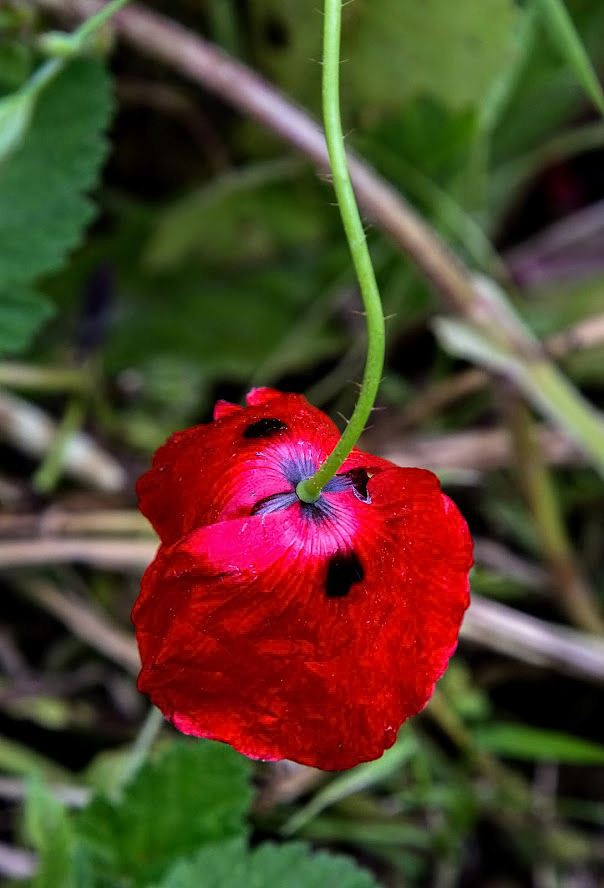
{"points": [[210, 472]]}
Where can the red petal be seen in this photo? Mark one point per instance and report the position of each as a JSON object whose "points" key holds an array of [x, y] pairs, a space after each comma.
{"points": [[240, 643], [212, 472], [257, 397], [225, 408]]}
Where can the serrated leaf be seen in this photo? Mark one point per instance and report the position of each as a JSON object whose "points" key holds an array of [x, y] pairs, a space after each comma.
{"points": [[196, 793], [534, 744], [53, 150], [228, 865], [22, 312], [43, 207]]}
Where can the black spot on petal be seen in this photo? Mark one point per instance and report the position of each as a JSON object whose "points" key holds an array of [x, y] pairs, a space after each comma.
{"points": [[355, 480], [264, 428], [342, 572], [359, 480]]}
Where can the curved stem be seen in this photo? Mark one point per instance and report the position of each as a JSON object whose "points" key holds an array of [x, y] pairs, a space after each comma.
{"points": [[310, 490]]}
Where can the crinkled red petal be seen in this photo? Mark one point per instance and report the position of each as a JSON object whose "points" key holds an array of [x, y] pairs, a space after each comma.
{"points": [[239, 641]]}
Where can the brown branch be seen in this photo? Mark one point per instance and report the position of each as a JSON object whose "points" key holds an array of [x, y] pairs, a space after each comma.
{"points": [[110, 554], [84, 620], [522, 637], [57, 521], [29, 429], [476, 451], [17, 863]]}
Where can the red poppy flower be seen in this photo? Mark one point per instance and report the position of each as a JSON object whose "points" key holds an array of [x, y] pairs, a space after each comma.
{"points": [[287, 629]]}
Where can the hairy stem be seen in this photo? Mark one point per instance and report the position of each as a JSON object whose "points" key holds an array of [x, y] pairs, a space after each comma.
{"points": [[310, 489]]}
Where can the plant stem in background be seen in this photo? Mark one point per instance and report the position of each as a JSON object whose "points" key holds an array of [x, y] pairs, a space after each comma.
{"points": [[574, 596], [565, 37], [310, 490], [48, 473], [140, 749], [63, 46], [96, 21]]}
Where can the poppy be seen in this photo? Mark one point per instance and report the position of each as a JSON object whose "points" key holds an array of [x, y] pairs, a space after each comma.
{"points": [[306, 631]]}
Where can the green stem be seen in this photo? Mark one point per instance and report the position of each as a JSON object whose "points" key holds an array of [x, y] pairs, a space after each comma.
{"points": [[16, 375], [94, 22], [146, 737], [310, 490], [552, 391], [71, 45], [45, 478], [575, 596]]}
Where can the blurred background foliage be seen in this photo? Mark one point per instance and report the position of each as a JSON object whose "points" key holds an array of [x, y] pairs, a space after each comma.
{"points": [[181, 253]]}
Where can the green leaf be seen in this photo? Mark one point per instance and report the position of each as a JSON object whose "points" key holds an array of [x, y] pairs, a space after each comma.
{"points": [[227, 865], [227, 323], [276, 25], [242, 216], [534, 744], [197, 792], [425, 135], [544, 97], [394, 50], [570, 46], [424, 48], [15, 62], [22, 312], [52, 163], [47, 828], [43, 207]]}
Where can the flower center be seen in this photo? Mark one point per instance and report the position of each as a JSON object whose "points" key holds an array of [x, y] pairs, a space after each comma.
{"points": [[342, 568], [299, 468]]}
